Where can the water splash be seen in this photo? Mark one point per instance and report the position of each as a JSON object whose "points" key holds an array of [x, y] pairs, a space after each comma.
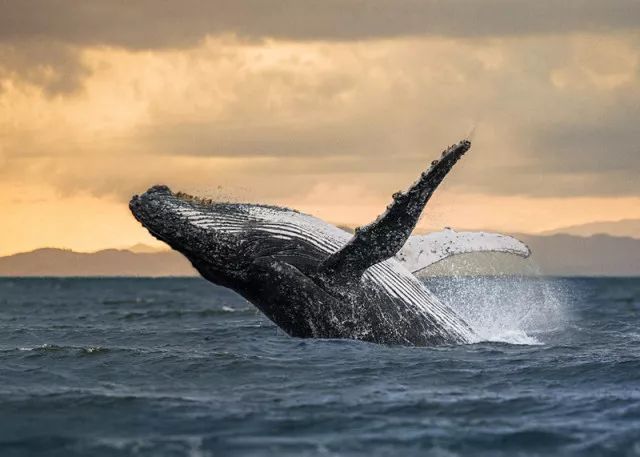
{"points": [[511, 309]]}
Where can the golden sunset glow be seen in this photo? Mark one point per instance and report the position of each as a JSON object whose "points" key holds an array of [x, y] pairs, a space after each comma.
{"points": [[329, 125]]}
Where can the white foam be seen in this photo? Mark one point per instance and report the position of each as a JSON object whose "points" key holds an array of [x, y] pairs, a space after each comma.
{"points": [[507, 309], [513, 337]]}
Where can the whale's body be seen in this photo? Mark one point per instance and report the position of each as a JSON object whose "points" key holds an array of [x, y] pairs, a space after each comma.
{"points": [[315, 280]]}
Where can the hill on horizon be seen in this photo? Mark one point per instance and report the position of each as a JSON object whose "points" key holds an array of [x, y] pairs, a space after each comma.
{"points": [[107, 262], [141, 248], [625, 227]]}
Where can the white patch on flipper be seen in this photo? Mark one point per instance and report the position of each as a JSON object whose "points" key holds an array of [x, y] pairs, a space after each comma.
{"points": [[420, 251]]}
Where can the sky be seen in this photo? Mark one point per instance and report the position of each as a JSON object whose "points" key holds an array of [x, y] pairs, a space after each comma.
{"points": [[325, 106]]}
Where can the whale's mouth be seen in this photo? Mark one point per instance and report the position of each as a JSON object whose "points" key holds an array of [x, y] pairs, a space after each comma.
{"points": [[157, 210], [145, 208], [188, 223], [144, 205]]}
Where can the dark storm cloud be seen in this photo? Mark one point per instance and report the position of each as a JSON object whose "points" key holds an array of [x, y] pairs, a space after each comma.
{"points": [[152, 23], [52, 66], [47, 34]]}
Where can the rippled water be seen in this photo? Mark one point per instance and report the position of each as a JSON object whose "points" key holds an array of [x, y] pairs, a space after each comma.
{"points": [[171, 367]]}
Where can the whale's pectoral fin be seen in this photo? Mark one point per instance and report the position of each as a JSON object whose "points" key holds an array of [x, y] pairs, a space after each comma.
{"points": [[420, 251], [384, 237]]}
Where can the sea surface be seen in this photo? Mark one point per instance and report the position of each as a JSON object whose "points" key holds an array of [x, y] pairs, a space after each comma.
{"points": [[180, 367]]}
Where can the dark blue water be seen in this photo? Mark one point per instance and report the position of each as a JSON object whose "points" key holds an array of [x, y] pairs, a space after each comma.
{"points": [[173, 367]]}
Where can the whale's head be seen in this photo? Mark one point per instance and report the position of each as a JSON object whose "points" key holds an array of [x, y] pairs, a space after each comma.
{"points": [[263, 252], [200, 229]]}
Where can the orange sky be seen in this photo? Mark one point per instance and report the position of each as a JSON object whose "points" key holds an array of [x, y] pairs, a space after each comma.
{"points": [[331, 125]]}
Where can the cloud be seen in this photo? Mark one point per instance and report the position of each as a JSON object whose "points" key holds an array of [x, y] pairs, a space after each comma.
{"points": [[149, 24], [281, 118], [328, 106], [42, 40], [608, 144], [54, 67]]}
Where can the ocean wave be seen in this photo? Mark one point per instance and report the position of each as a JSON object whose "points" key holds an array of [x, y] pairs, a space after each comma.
{"points": [[235, 384], [183, 313], [518, 337], [49, 348]]}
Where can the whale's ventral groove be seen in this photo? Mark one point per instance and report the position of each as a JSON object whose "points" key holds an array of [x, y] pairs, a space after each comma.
{"points": [[315, 280]]}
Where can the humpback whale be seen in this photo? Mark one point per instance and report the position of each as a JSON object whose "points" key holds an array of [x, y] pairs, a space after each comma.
{"points": [[315, 280]]}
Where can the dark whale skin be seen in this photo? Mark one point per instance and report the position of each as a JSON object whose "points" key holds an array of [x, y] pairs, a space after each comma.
{"points": [[308, 277]]}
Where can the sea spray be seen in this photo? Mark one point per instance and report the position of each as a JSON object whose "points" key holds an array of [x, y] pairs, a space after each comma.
{"points": [[515, 309]]}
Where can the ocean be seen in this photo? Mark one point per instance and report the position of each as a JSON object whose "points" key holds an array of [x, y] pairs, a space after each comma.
{"points": [[180, 367]]}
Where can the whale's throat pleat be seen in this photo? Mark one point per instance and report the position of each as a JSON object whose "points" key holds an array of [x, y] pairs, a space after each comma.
{"points": [[267, 230]]}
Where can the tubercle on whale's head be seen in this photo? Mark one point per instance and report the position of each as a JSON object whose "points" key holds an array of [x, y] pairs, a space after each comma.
{"points": [[189, 225]]}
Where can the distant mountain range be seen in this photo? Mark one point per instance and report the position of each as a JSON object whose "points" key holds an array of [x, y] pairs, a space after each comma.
{"points": [[108, 262], [626, 227], [146, 249], [557, 255]]}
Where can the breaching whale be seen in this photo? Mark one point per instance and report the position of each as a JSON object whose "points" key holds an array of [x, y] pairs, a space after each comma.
{"points": [[315, 280]]}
